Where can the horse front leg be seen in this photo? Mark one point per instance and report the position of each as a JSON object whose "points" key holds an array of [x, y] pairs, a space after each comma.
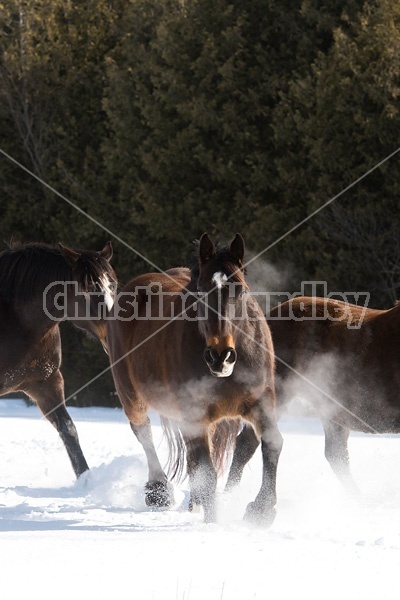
{"points": [[262, 510], [202, 476], [158, 492], [49, 396], [61, 420]]}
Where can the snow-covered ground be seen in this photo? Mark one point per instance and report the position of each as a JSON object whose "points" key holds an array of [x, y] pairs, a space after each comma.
{"points": [[96, 539]]}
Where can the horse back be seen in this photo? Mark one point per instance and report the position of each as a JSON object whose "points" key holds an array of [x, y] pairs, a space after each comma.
{"points": [[173, 280], [315, 323]]}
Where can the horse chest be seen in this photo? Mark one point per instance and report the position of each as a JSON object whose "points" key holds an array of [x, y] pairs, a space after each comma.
{"points": [[14, 376], [43, 367], [11, 379], [184, 400]]}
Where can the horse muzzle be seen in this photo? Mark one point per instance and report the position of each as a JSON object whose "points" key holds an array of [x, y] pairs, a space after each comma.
{"points": [[220, 364]]}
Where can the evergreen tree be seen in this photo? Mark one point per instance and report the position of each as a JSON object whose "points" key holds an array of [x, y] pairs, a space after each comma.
{"points": [[197, 88], [203, 119], [163, 119], [52, 122], [352, 126]]}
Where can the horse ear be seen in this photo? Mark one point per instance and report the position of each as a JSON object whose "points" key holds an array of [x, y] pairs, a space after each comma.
{"points": [[107, 252], [70, 256], [236, 249], [206, 248]]}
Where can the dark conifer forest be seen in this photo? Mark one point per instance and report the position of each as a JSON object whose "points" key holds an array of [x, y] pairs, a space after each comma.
{"points": [[163, 119]]}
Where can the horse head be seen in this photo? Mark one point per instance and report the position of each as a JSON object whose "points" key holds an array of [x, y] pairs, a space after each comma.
{"points": [[93, 288], [220, 284]]}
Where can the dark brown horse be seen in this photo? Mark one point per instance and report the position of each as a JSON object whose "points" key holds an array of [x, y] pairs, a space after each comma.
{"points": [[197, 369], [345, 360], [39, 287]]}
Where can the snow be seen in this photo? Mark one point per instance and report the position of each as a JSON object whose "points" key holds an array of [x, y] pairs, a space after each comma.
{"points": [[96, 538]]}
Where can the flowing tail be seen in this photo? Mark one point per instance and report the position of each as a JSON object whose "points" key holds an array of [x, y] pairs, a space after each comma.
{"points": [[222, 440], [223, 436], [176, 449]]}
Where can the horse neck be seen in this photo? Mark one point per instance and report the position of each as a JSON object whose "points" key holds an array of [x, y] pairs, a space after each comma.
{"points": [[28, 288], [54, 303], [32, 317]]}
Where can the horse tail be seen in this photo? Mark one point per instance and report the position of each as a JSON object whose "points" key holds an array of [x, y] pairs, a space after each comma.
{"points": [[176, 449], [222, 439], [223, 436]]}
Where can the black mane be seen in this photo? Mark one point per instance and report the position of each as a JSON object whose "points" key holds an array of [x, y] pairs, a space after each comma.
{"points": [[27, 269]]}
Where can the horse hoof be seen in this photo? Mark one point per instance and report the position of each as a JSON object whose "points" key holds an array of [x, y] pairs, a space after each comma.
{"points": [[158, 495], [259, 517], [194, 507]]}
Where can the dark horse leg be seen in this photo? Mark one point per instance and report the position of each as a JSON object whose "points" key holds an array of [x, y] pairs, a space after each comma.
{"points": [[202, 476], [246, 444], [49, 396], [337, 454], [262, 510], [157, 489]]}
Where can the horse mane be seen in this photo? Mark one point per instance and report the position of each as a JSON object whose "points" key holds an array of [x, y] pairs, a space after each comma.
{"points": [[222, 261], [27, 268]]}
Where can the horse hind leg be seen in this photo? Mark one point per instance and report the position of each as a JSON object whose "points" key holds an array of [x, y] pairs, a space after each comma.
{"points": [[246, 445], [158, 492], [49, 396], [337, 454]]}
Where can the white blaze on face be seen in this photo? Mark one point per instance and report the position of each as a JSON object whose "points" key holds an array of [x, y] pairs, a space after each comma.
{"points": [[219, 279], [107, 289]]}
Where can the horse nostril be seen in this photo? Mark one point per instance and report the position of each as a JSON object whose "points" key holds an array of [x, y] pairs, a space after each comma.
{"points": [[229, 356], [210, 356]]}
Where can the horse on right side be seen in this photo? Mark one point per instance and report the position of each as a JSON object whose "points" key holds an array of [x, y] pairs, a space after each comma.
{"points": [[344, 361]]}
